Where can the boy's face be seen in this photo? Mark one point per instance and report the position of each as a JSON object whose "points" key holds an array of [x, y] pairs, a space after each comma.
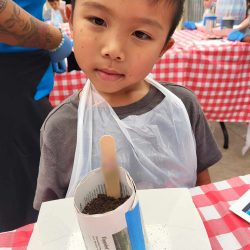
{"points": [[55, 5], [116, 43]]}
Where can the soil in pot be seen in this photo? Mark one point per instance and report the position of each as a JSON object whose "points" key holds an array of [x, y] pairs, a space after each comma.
{"points": [[103, 204]]}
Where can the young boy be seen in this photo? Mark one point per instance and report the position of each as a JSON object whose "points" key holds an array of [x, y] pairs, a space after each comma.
{"points": [[160, 141]]}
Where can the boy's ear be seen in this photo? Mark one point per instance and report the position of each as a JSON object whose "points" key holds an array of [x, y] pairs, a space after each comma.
{"points": [[69, 15], [167, 46]]}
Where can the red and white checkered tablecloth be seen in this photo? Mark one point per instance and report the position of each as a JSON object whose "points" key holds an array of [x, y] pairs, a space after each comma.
{"points": [[218, 71], [17, 239], [226, 231]]}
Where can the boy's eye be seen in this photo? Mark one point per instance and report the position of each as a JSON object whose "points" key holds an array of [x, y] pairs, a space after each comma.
{"points": [[141, 35], [97, 21]]}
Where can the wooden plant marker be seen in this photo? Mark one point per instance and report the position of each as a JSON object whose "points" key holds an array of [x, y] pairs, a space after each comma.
{"points": [[109, 166]]}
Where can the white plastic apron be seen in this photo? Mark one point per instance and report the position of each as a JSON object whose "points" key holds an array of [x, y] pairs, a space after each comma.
{"points": [[157, 148]]}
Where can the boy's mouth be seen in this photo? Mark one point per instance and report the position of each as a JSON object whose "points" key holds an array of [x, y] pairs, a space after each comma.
{"points": [[109, 74]]}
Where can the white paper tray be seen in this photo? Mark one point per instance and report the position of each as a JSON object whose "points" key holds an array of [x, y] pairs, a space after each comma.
{"points": [[240, 206], [171, 220]]}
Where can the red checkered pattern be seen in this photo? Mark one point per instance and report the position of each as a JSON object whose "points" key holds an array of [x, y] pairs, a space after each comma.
{"points": [[217, 73], [65, 85], [17, 239], [225, 229]]}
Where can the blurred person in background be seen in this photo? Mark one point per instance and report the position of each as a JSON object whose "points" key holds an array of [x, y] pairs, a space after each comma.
{"points": [[222, 9], [56, 13], [241, 32], [235, 9]]}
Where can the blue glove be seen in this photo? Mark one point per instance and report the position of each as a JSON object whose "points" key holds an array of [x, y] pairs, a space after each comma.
{"points": [[59, 67], [190, 25], [63, 50], [235, 35]]}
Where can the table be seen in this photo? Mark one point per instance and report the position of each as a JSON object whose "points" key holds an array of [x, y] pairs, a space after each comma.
{"points": [[216, 70], [225, 229]]}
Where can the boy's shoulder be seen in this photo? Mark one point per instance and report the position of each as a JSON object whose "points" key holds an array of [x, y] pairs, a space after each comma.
{"points": [[63, 114], [187, 96], [176, 87]]}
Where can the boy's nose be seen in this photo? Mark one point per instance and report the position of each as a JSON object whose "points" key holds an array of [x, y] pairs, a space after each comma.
{"points": [[114, 51]]}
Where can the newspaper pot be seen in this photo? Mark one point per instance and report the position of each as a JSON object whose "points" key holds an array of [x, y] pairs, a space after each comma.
{"points": [[210, 22], [121, 228]]}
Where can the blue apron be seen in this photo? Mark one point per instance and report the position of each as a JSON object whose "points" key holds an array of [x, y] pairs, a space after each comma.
{"points": [[21, 117], [45, 85]]}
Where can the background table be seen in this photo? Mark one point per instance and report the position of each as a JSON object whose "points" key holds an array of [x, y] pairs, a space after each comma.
{"points": [[218, 71], [225, 229]]}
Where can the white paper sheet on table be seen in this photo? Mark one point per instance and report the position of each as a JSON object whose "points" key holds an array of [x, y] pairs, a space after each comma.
{"points": [[241, 207], [171, 220]]}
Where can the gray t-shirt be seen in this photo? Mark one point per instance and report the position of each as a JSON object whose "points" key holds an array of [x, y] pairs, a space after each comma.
{"points": [[58, 139]]}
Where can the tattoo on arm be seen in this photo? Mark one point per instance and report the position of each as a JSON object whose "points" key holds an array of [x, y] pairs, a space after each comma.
{"points": [[3, 4], [29, 34]]}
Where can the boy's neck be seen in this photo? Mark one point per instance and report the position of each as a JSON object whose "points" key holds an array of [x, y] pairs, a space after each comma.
{"points": [[127, 96]]}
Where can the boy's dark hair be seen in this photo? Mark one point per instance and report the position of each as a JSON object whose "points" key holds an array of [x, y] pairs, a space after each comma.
{"points": [[51, 1], [178, 11]]}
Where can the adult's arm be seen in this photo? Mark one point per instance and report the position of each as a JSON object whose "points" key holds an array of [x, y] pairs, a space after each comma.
{"points": [[64, 17], [244, 24], [19, 28]]}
